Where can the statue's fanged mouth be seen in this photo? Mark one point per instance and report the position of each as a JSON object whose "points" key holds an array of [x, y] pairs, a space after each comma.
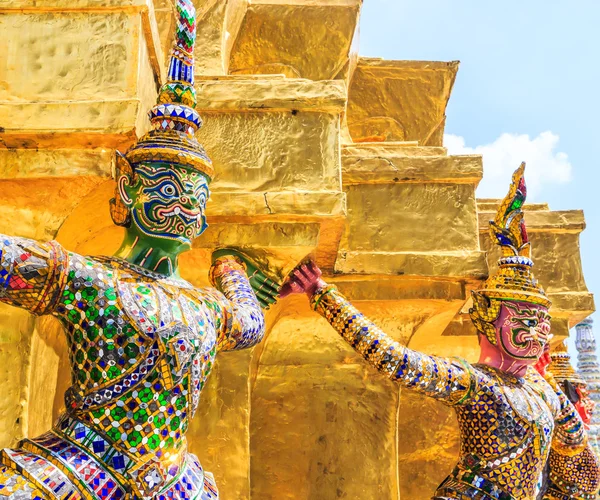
{"points": [[178, 210]]}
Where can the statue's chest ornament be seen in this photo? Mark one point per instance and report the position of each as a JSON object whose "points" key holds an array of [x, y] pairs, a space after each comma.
{"points": [[178, 327], [529, 405], [179, 345]]}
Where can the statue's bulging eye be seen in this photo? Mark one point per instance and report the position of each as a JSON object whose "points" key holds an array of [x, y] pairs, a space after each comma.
{"points": [[530, 323], [168, 190]]}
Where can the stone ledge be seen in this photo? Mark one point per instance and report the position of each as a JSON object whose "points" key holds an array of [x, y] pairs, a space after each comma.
{"points": [[380, 63], [118, 116], [314, 204], [35, 164], [269, 234], [491, 205], [390, 168], [270, 95], [236, 78], [218, 23], [392, 288], [392, 149], [413, 217], [68, 140], [300, 38], [400, 100], [464, 264], [578, 305], [559, 221]]}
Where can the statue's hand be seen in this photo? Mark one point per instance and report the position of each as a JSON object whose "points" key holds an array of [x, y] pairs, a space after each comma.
{"points": [[306, 278], [265, 289], [543, 361]]}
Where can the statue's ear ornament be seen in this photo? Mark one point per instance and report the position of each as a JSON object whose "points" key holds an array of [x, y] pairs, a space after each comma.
{"points": [[119, 211], [483, 314], [122, 167]]}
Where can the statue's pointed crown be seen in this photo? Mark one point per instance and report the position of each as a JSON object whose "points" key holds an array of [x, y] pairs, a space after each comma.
{"points": [[174, 118], [514, 280]]}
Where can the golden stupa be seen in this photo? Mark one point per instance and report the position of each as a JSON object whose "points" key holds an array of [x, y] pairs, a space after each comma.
{"points": [[561, 367]]}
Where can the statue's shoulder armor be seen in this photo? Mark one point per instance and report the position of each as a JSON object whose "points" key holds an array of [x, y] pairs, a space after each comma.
{"points": [[488, 378]]}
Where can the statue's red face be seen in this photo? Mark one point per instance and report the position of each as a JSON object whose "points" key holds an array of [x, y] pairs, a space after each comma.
{"points": [[523, 330]]}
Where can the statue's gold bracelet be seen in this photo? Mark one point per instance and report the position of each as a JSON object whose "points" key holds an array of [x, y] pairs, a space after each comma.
{"points": [[319, 294], [223, 265]]}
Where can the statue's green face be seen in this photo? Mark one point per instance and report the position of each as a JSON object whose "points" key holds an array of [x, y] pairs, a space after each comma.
{"points": [[167, 201]]}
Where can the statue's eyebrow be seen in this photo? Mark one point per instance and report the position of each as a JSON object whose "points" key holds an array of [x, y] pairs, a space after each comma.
{"points": [[543, 314], [527, 310], [204, 188], [162, 174]]}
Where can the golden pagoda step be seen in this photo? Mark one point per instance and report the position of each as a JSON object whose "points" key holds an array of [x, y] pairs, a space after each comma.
{"points": [[299, 38], [218, 23], [274, 143], [106, 54], [391, 194], [399, 100]]}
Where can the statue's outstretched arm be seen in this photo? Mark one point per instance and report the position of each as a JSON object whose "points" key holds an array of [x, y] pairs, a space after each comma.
{"points": [[451, 381], [242, 323], [574, 468], [32, 274]]}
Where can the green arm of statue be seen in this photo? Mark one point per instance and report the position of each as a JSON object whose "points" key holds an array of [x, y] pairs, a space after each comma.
{"points": [[32, 274]]}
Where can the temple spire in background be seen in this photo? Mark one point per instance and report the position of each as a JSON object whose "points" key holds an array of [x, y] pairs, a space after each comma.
{"points": [[589, 369]]}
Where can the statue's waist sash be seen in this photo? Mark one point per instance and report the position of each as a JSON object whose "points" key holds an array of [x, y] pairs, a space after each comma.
{"points": [[553, 493], [75, 463], [467, 484]]}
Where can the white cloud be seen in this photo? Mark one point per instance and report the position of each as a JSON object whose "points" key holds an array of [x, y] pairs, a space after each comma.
{"points": [[545, 165]]}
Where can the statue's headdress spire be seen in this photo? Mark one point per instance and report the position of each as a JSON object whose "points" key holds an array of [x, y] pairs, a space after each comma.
{"points": [[514, 280], [508, 227], [174, 118], [561, 368]]}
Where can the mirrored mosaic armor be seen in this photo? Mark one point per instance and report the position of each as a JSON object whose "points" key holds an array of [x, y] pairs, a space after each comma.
{"points": [[509, 426], [141, 347]]}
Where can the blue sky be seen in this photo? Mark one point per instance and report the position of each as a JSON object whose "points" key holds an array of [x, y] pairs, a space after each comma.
{"points": [[527, 86]]}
